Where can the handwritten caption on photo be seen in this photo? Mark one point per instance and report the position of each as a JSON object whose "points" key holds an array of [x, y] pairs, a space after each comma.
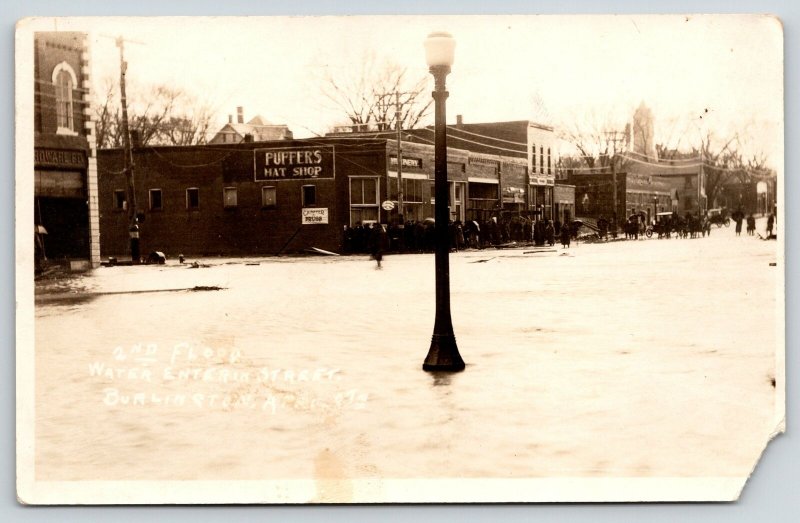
{"points": [[185, 376]]}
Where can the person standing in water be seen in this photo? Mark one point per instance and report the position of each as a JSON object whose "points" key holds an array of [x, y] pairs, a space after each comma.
{"points": [[379, 242]]}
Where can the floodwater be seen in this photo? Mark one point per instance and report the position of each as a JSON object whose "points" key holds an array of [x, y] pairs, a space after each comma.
{"points": [[631, 358]]}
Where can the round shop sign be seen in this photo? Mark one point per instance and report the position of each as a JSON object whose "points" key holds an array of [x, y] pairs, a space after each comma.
{"points": [[387, 205]]}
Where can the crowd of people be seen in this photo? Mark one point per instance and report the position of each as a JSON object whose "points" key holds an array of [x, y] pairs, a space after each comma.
{"points": [[750, 221], [692, 225], [419, 236]]}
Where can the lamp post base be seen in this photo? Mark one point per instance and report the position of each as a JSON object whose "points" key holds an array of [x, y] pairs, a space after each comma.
{"points": [[443, 355]]}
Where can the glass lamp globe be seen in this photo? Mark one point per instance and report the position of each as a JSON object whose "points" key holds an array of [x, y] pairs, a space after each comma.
{"points": [[439, 49]]}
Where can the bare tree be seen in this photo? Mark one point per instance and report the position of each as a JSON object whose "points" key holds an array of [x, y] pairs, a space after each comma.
{"points": [[567, 164], [368, 96], [107, 117], [163, 115], [598, 140], [724, 163]]}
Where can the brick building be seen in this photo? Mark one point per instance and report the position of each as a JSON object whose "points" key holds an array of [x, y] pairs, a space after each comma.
{"points": [[525, 175], [65, 168], [594, 195], [287, 196]]}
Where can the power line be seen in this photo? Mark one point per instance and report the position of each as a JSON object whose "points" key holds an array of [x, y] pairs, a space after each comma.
{"points": [[486, 136], [191, 166], [692, 159], [517, 151], [636, 160]]}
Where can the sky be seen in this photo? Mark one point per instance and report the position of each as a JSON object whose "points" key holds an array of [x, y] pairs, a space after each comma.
{"points": [[554, 69]]}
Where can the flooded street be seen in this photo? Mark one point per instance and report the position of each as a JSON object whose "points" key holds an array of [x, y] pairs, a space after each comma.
{"points": [[627, 359]]}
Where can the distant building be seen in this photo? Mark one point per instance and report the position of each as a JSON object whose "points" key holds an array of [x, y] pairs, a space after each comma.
{"points": [[257, 129], [563, 202], [65, 166], [684, 179], [594, 195]]}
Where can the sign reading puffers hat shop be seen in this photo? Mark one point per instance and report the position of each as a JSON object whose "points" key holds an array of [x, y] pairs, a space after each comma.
{"points": [[294, 163]]}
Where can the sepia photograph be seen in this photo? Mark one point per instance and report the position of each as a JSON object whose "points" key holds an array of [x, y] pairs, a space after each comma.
{"points": [[398, 259]]}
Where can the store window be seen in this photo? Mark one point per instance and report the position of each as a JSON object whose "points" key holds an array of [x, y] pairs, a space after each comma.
{"points": [[155, 200], [230, 197], [309, 195], [412, 191], [269, 196], [413, 199], [364, 199], [120, 203], [193, 198], [64, 81]]}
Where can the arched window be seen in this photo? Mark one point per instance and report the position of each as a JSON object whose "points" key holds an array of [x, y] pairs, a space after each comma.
{"points": [[65, 82]]}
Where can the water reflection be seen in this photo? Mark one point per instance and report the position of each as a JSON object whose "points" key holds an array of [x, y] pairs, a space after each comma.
{"points": [[441, 379], [64, 299]]}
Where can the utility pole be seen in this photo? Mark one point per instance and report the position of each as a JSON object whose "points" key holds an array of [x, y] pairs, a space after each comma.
{"points": [[399, 125], [128, 164], [614, 184], [614, 139], [701, 191]]}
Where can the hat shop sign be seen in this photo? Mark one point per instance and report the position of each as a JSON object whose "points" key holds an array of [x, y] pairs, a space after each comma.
{"points": [[293, 163]]}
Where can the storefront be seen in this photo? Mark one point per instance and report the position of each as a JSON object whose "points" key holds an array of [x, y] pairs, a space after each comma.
{"points": [[285, 197], [61, 205], [541, 191], [635, 194], [563, 202], [65, 187]]}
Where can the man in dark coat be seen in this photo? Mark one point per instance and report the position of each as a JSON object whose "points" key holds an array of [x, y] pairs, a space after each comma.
{"points": [[565, 235], [738, 217], [358, 238], [550, 233], [379, 242]]}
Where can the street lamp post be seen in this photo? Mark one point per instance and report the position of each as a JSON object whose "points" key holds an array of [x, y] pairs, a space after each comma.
{"points": [[443, 354]]}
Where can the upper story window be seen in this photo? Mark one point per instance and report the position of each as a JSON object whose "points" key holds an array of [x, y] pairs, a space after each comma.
{"points": [[65, 82], [541, 159]]}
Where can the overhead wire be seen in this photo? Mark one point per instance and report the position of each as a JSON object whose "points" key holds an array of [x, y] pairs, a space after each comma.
{"points": [[456, 128]]}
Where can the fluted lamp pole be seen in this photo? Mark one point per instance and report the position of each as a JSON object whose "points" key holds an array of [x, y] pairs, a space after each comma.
{"points": [[443, 354]]}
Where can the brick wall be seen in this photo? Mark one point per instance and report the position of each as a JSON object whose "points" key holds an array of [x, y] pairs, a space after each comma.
{"points": [[51, 49], [213, 229]]}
